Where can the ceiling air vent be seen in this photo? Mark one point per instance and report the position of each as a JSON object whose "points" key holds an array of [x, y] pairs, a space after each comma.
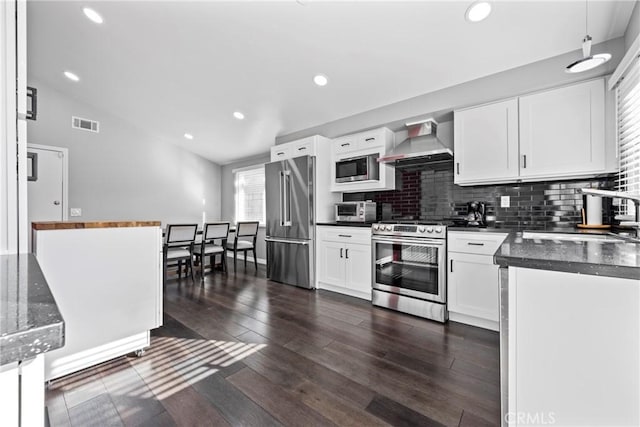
{"points": [[85, 124]]}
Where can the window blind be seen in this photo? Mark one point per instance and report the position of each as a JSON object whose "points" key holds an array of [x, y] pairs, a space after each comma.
{"points": [[250, 198], [629, 134]]}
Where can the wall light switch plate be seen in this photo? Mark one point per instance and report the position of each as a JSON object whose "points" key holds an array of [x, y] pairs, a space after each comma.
{"points": [[505, 201], [75, 212]]}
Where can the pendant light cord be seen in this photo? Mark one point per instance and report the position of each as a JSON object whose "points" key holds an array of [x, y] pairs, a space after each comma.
{"points": [[586, 16]]}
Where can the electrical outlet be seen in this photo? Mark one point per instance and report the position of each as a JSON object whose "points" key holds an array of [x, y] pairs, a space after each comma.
{"points": [[75, 212], [505, 201]]}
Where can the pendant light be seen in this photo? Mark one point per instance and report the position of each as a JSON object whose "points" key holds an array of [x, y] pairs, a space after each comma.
{"points": [[588, 61]]}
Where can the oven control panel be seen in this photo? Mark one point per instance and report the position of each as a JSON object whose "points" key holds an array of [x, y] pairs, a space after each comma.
{"points": [[413, 230]]}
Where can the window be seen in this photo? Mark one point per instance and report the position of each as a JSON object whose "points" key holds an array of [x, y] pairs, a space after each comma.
{"points": [[250, 199], [629, 134]]}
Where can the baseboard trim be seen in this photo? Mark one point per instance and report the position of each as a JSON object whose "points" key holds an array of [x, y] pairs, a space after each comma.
{"points": [[261, 261]]}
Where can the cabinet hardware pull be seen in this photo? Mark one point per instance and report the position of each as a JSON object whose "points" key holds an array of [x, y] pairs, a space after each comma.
{"points": [[346, 253], [281, 153], [344, 235], [370, 139], [451, 266], [475, 244], [302, 148], [340, 252], [524, 159], [458, 168], [345, 144]]}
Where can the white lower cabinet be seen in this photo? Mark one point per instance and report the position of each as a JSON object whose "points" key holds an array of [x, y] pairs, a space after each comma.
{"points": [[344, 260], [473, 279]]}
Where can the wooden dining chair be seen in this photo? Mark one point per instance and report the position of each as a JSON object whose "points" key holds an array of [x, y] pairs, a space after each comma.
{"points": [[212, 233], [178, 248], [247, 229]]}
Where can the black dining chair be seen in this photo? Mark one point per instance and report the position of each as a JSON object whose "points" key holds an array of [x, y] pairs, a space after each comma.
{"points": [[246, 229], [213, 232], [178, 248]]}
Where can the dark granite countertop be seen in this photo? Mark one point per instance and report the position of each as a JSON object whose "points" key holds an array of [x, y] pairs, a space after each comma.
{"points": [[30, 322], [347, 224], [613, 259]]}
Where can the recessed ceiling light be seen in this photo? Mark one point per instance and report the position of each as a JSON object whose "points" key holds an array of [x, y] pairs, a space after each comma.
{"points": [[478, 11], [188, 136], [238, 115], [93, 15], [71, 76], [321, 80]]}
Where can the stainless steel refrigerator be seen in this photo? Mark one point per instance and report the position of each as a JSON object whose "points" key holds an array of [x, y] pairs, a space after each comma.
{"points": [[290, 230]]}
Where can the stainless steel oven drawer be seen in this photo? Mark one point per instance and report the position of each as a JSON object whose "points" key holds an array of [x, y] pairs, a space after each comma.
{"points": [[416, 307]]}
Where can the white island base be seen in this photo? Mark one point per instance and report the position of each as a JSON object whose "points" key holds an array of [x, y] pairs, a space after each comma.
{"points": [[107, 281]]}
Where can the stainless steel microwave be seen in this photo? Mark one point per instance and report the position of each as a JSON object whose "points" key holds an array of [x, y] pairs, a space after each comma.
{"points": [[361, 168], [356, 211]]}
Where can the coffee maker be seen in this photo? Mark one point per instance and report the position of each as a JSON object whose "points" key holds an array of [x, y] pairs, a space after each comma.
{"points": [[476, 214]]}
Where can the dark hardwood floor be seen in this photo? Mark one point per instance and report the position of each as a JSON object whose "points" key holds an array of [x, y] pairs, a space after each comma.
{"points": [[241, 350]]}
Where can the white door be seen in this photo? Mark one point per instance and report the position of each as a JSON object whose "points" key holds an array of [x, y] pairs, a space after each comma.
{"points": [[331, 263], [473, 286], [562, 131], [486, 143], [358, 270], [46, 188]]}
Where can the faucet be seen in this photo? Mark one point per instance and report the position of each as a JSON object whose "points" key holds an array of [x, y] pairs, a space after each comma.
{"points": [[635, 198]]}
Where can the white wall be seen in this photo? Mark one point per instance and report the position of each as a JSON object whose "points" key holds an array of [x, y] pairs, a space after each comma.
{"points": [[124, 173], [634, 27], [528, 78], [228, 196]]}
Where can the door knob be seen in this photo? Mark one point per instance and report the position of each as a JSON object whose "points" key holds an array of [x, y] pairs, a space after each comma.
{"points": [[57, 202]]}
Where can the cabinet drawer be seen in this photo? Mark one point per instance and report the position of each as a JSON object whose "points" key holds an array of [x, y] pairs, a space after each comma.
{"points": [[345, 144], [475, 242], [375, 138], [304, 147], [356, 235], [280, 152]]}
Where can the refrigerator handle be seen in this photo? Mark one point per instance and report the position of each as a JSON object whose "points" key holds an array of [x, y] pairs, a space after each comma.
{"points": [[287, 199], [281, 195]]}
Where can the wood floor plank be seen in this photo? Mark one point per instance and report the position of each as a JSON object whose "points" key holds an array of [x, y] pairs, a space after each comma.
{"points": [[98, 411], [399, 415], [280, 403], [190, 408], [234, 405]]}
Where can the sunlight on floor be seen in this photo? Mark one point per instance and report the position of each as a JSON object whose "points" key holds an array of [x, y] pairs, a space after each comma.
{"points": [[169, 365]]}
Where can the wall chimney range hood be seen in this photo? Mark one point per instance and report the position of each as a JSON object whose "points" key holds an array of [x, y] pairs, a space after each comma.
{"points": [[422, 147]]}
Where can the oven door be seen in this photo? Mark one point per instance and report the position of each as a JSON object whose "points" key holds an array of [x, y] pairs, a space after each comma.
{"points": [[411, 267]]}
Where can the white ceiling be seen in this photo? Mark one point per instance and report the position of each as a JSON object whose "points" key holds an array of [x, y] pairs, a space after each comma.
{"points": [[177, 67]]}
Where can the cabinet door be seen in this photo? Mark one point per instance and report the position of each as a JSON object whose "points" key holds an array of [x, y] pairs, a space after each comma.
{"points": [[358, 268], [562, 131], [486, 143], [331, 263], [473, 286]]}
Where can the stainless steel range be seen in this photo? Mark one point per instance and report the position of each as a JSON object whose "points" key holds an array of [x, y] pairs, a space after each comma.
{"points": [[410, 268]]}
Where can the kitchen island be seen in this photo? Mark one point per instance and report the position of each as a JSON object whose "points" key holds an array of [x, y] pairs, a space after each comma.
{"points": [[106, 277], [30, 326], [570, 329]]}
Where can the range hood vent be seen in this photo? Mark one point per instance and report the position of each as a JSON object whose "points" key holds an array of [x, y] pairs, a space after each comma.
{"points": [[421, 148]]}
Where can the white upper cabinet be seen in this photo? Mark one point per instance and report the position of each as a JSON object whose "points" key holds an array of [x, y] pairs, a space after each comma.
{"points": [[556, 134], [562, 131], [486, 143]]}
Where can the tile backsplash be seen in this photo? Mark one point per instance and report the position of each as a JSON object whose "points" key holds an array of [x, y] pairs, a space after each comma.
{"points": [[431, 195]]}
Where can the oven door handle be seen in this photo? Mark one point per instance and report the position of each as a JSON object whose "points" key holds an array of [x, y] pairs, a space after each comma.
{"points": [[420, 241]]}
